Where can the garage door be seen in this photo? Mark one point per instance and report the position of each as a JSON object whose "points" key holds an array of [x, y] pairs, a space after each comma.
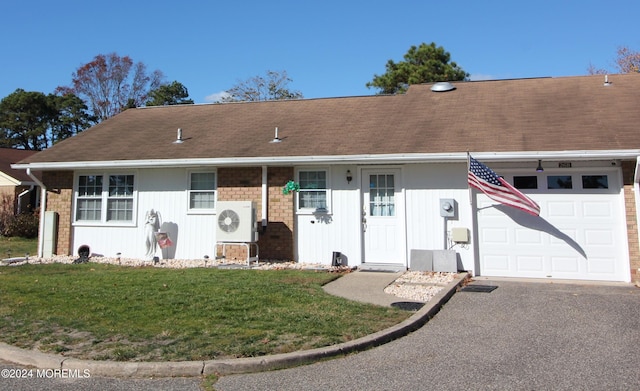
{"points": [[580, 234]]}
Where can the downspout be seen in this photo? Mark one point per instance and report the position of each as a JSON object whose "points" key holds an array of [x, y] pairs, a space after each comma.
{"points": [[264, 199], [636, 196], [25, 192], [43, 205]]}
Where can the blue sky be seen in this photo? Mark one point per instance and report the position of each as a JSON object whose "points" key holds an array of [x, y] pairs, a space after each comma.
{"points": [[329, 48]]}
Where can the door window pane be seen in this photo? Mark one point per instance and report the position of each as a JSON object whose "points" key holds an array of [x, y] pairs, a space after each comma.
{"points": [[381, 195]]}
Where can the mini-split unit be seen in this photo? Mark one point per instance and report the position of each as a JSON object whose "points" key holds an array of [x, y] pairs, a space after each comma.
{"points": [[236, 222]]}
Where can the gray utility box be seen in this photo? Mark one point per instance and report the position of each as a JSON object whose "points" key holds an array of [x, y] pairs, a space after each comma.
{"points": [[434, 261]]}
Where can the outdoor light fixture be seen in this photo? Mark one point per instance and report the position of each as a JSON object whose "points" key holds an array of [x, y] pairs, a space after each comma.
{"points": [[539, 168], [349, 176]]}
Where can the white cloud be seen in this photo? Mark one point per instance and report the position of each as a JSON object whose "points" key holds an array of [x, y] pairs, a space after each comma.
{"points": [[216, 97]]}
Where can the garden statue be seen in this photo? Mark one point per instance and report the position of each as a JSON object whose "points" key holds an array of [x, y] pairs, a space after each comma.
{"points": [[151, 226]]}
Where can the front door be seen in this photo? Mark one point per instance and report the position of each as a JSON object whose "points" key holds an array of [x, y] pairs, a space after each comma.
{"points": [[382, 216]]}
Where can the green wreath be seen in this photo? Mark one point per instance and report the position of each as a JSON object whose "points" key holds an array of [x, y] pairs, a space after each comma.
{"points": [[290, 187]]}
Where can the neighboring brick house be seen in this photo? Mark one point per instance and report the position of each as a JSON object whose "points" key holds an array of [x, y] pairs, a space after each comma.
{"points": [[373, 174], [16, 184]]}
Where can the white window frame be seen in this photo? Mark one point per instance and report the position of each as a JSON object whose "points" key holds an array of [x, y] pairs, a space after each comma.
{"points": [[104, 199], [191, 210], [327, 190]]}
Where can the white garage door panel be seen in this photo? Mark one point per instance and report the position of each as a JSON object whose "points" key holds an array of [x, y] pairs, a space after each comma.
{"points": [[598, 237], [528, 236], [561, 265], [570, 233], [598, 210], [496, 236], [572, 223], [497, 264], [530, 264], [561, 209], [599, 266]]}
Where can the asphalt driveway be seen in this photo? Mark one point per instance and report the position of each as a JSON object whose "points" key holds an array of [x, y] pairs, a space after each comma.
{"points": [[521, 336]]}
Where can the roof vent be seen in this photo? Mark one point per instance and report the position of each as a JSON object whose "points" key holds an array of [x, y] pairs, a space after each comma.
{"points": [[606, 80], [178, 137], [442, 86], [276, 139]]}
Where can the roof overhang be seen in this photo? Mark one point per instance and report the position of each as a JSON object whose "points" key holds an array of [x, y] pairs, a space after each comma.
{"points": [[334, 159]]}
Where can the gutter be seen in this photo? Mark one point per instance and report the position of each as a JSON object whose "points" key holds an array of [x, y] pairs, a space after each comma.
{"points": [[456, 157], [43, 206]]}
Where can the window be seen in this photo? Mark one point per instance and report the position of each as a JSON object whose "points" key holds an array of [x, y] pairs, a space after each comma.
{"points": [[382, 195], [120, 198], [525, 182], [89, 198], [559, 182], [313, 190], [103, 201], [202, 191], [595, 182]]}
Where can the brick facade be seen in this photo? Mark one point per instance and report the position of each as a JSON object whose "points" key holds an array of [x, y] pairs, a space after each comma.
{"points": [[245, 184], [628, 173], [60, 199]]}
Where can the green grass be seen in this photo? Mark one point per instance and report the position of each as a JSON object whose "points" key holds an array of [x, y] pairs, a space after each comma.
{"points": [[106, 312], [17, 247]]}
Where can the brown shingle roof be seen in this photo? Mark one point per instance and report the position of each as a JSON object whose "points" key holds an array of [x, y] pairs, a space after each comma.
{"points": [[9, 156], [546, 114]]}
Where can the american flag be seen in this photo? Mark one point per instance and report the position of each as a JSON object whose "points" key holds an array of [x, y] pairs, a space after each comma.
{"points": [[487, 181]]}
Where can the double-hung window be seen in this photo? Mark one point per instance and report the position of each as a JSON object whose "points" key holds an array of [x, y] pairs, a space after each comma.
{"points": [[120, 198], [105, 198], [314, 190], [202, 191], [89, 198]]}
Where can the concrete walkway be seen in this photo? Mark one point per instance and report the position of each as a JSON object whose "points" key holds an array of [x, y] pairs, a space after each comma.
{"points": [[364, 286]]}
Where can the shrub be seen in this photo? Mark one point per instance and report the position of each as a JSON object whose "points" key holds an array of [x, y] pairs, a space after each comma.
{"points": [[24, 225]]}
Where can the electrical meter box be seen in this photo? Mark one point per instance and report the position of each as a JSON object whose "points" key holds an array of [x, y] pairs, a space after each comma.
{"points": [[447, 207]]}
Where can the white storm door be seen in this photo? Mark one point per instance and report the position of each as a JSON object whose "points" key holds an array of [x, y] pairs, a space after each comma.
{"points": [[382, 216]]}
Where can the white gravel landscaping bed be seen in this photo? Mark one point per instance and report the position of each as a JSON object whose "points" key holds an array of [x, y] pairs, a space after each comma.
{"points": [[181, 263], [419, 286]]}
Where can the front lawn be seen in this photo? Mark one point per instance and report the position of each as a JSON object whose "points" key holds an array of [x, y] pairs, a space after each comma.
{"points": [[17, 247], [107, 312]]}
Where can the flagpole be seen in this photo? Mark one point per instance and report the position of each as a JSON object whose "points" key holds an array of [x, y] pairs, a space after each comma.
{"points": [[468, 185]]}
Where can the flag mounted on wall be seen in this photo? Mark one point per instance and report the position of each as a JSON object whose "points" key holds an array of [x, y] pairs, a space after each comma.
{"points": [[495, 187]]}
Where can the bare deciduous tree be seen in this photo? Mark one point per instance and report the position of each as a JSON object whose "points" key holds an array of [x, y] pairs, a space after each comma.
{"points": [[110, 84], [627, 61], [273, 86]]}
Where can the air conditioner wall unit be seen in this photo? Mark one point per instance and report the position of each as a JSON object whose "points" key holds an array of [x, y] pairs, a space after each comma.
{"points": [[236, 222]]}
